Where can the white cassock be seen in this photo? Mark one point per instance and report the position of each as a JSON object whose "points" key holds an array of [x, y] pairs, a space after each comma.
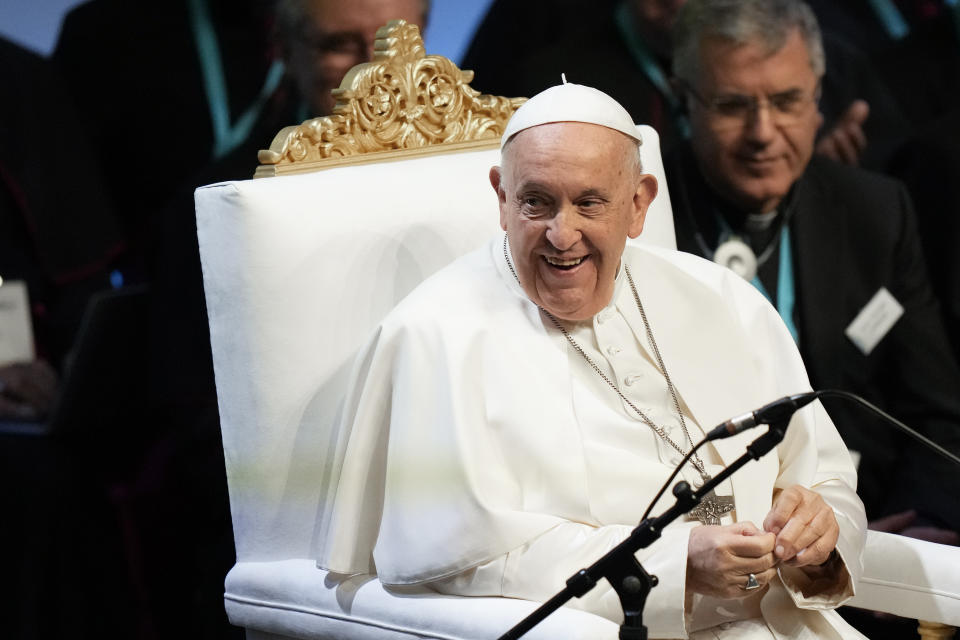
{"points": [[482, 455]]}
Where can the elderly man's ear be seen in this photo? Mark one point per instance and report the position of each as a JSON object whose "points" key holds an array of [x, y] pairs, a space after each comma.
{"points": [[495, 182], [646, 192]]}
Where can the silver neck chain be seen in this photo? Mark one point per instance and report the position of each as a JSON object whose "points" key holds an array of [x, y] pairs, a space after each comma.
{"points": [[697, 462]]}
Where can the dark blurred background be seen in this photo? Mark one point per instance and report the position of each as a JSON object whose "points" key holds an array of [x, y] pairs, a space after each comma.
{"points": [[115, 518]]}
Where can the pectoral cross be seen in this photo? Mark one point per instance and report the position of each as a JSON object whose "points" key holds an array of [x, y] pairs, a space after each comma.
{"points": [[711, 508]]}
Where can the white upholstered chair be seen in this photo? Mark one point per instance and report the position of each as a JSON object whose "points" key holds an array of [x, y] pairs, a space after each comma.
{"points": [[299, 269]]}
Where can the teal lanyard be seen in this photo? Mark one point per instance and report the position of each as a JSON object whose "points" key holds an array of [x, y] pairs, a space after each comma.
{"points": [[786, 297], [891, 18], [648, 64], [785, 290], [895, 24], [226, 136]]}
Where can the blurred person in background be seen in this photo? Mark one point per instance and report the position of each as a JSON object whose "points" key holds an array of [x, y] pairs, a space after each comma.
{"points": [[59, 242], [623, 47], [58, 234], [825, 242], [174, 96], [323, 39]]}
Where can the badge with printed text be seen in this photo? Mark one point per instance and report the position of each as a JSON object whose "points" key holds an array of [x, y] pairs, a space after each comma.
{"points": [[16, 330], [874, 321]]}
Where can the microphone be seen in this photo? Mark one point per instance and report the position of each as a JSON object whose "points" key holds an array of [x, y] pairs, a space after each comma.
{"points": [[776, 411], [781, 410]]}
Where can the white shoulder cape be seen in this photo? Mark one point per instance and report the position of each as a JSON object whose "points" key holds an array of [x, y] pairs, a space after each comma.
{"points": [[458, 440]]}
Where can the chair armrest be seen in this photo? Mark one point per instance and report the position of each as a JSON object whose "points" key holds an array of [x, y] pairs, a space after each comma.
{"points": [[910, 578], [294, 598]]}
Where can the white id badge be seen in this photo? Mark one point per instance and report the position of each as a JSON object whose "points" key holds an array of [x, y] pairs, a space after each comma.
{"points": [[16, 329], [874, 321]]}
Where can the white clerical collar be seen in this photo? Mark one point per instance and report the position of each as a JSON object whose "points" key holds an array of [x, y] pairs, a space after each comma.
{"points": [[760, 221], [618, 285]]}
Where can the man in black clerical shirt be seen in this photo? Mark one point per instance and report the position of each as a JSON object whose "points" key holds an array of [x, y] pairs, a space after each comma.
{"points": [[834, 248]]}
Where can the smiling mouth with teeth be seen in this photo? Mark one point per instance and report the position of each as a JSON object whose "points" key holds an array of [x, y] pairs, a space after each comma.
{"points": [[564, 264]]}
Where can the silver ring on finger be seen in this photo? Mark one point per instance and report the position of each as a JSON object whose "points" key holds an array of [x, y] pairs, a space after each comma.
{"points": [[751, 583]]}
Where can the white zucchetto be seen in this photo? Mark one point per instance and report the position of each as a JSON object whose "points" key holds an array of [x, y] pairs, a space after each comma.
{"points": [[571, 103]]}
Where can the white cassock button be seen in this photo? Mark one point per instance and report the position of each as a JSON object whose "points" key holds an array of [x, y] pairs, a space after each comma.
{"points": [[631, 380], [612, 351], [604, 315]]}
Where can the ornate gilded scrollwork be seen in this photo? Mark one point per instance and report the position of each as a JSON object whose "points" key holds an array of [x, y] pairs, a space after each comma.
{"points": [[403, 99]]}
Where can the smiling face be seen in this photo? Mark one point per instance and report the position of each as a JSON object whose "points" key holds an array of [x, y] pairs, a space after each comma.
{"points": [[570, 194], [753, 162]]}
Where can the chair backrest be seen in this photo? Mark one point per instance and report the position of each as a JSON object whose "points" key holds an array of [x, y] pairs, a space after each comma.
{"points": [[298, 271]]}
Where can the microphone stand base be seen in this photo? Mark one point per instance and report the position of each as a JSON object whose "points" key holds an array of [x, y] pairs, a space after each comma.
{"points": [[633, 633]]}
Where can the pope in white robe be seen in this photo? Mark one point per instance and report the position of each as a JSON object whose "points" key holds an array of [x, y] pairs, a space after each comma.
{"points": [[487, 452]]}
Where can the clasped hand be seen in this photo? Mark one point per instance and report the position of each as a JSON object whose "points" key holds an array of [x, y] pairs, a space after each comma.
{"points": [[799, 531]]}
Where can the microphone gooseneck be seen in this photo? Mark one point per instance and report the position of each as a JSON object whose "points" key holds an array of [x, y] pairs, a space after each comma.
{"points": [[784, 408], [776, 411], [620, 567], [919, 437]]}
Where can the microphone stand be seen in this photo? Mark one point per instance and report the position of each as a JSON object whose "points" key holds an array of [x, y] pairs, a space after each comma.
{"points": [[620, 566]]}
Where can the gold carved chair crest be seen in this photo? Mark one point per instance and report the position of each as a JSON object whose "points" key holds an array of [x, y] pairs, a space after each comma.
{"points": [[400, 102], [280, 355]]}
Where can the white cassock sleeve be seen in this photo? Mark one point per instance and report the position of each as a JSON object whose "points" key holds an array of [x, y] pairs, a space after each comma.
{"points": [[814, 456]]}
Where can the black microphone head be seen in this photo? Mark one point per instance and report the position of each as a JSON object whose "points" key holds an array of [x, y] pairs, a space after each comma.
{"points": [[782, 409]]}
